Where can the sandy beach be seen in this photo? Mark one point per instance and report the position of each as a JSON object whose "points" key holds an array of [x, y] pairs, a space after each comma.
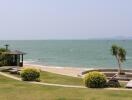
{"points": [[69, 71]]}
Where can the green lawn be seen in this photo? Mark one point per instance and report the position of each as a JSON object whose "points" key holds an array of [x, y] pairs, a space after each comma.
{"points": [[16, 90], [48, 77], [57, 78], [60, 79]]}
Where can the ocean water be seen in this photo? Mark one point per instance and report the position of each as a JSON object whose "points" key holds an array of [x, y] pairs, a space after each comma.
{"points": [[71, 53]]}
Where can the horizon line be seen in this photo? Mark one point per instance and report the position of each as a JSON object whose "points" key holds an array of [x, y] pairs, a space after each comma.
{"points": [[60, 39]]}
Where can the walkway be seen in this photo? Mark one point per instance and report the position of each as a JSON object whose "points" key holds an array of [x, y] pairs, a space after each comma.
{"points": [[10, 76]]}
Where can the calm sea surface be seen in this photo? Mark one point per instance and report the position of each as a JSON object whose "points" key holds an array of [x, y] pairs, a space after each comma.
{"points": [[76, 53]]}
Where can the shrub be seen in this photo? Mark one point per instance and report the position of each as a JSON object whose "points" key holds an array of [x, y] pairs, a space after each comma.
{"points": [[30, 74], [95, 80], [113, 83], [1, 64]]}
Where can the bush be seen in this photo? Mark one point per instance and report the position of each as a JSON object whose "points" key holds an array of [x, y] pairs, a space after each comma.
{"points": [[30, 74], [113, 83], [1, 64], [95, 80]]}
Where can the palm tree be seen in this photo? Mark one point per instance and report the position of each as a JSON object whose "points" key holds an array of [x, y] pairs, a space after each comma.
{"points": [[120, 54]]}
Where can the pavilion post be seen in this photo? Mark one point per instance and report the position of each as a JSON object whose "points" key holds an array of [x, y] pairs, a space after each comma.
{"points": [[22, 60]]}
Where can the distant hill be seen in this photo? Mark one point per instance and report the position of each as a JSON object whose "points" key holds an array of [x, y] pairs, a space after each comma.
{"points": [[123, 37]]}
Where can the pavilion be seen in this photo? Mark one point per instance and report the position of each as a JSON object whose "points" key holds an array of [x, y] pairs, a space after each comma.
{"points": [[14, 58]]}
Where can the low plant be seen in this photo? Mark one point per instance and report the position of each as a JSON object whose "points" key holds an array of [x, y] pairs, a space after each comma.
{"points": [[30, 74], [1, 64], [95, 80], [113, 83]]}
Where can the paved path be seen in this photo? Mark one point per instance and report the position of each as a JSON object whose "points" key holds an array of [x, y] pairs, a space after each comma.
{"points": [[10, 76], [59, 85]]}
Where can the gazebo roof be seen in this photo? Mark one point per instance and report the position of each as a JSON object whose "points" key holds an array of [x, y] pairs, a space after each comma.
{"points": [[16, 52]]}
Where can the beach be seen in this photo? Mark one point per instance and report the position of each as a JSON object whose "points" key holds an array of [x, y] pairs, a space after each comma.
{"points": [[69, 71]]}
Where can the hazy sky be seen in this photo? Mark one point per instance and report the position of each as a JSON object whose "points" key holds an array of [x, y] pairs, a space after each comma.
{"points": [[65, 19]]}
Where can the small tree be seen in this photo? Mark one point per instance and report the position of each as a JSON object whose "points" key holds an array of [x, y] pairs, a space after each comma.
{"points": [[120, 54], [3, 56]]}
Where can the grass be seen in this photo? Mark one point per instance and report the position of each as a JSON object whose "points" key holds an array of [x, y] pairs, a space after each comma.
{"points": [[60, 79], [15, 90], [67, 80], [123, 84], [48, 77]]}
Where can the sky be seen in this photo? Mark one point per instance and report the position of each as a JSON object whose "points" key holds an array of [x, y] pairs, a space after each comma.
{"points": [[65, 19]]}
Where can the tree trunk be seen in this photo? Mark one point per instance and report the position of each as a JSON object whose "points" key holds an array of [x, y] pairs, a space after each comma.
{"points": [[119, 65]]}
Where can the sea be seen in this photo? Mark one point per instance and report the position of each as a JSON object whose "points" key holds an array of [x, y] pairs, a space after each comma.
{"points": [[71, 53]]}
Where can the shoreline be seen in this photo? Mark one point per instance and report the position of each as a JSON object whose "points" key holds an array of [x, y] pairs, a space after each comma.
{"points": [[68, 71]]}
